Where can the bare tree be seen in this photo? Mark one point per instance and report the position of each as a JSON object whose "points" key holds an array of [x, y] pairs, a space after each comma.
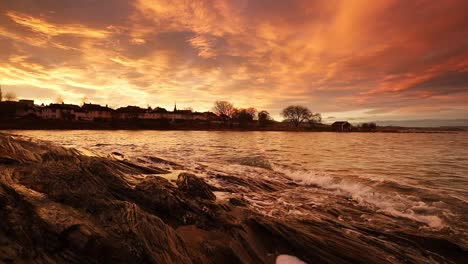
{"points": [[10, 96], [296, 114], [1, 94], [252, 111], [315, 119], [224, 109]]}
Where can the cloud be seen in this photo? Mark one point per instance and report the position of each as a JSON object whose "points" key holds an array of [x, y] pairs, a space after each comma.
{"points": [[347, 59]]}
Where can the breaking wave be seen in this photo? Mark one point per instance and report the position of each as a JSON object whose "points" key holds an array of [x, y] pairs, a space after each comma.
{"points": [[371, 195]]}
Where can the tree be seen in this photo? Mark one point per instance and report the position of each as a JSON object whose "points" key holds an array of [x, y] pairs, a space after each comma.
{"points": [[245, 116], [10, 96], [368, 126], [263, 117], [1, 94], [315, 119], [224, 109], [252, 111], [296, 114]]}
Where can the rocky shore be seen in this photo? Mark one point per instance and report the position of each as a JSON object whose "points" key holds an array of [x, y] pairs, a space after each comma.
{"points": [[59, 206]]}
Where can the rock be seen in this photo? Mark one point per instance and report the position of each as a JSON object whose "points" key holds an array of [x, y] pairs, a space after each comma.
{"points": [[58, 206], [9, 161], [194, 186], [238, 201]]}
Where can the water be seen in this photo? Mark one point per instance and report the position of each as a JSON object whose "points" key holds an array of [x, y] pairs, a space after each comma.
{"points": [[399, 183]]}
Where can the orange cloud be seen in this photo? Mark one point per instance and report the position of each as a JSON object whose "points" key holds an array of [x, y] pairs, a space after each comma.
{"points": [[361, 58]]}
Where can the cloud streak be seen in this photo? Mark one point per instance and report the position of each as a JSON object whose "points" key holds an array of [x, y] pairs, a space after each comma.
{"points": [[348, 59]]}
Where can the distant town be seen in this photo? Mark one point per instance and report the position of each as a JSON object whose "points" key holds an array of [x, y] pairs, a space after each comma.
{"points": [[94, 112], [25, 114]]}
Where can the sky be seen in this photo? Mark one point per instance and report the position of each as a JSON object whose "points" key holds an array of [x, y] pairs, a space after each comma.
{"points": [[355, 60]]}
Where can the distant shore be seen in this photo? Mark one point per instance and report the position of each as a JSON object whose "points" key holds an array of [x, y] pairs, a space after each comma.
{"points": [[38, 124]]}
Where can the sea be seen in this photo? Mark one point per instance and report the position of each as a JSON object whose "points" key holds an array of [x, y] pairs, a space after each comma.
{"points": [[404, 184]]}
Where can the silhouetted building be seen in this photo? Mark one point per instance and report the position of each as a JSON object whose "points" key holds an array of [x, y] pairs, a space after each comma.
{"points": [[341, 126], [13, 110], [29, 103], [130, 112], [91, 112], [59, 111], [96, 112]]}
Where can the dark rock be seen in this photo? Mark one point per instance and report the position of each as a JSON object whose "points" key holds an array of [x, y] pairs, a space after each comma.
{"points": [[238, 201], [194, 186], [9, 161], [58, 206]]}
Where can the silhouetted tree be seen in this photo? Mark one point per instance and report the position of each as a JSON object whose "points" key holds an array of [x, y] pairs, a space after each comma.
{"points": [[296, 114], [315, 119], [368, 126], [263, 117], [1, 94], [10, 96], [252, 111], [224, 109], [245, 116]]}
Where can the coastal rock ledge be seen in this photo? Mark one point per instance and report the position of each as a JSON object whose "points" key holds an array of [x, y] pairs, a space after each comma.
{"points": [[59, 206]]}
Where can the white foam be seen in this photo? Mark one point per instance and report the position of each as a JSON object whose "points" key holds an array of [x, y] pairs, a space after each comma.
{"points": [[391, 203]]}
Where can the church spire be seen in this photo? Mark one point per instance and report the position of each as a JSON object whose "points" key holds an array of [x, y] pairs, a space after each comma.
{"points": [[175, 106]]}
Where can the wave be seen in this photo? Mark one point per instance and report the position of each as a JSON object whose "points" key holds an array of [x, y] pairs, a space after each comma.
{"points": [[369, 195]]}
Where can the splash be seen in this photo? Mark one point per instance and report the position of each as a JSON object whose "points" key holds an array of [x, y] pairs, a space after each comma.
{"points": [[370, 195]]}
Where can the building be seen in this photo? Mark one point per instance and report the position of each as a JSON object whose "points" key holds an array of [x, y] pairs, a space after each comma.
{"points": [[97, 112], [29, 103], [59, 111], [13, 110], [205, 116], [181, 115], [341, 126], [131, 112]]}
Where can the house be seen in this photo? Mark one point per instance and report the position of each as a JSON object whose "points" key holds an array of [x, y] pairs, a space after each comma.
{"points": [[205, 116], [131, 112], [97, 112], [181, 115], [28, 103], [59, 111], [341, 126], [12, 109]]}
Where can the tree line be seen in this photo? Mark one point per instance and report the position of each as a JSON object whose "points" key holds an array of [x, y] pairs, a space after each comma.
{"points": [[294, 114]]}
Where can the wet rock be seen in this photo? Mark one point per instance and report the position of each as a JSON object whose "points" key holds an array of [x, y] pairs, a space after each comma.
{"points": [[143, 169], [238, 201], [166, 162], [9, 161], [58, 206], [194, 186]]}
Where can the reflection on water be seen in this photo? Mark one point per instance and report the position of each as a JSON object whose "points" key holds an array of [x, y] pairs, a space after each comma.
{"points": [[415, 182]]}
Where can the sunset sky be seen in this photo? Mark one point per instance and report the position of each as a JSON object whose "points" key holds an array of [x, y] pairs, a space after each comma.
{"points": [[357, 60]]}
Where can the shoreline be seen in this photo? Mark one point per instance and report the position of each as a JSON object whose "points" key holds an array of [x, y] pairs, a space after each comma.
{"points": [[98, 126], [59, 205]]}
